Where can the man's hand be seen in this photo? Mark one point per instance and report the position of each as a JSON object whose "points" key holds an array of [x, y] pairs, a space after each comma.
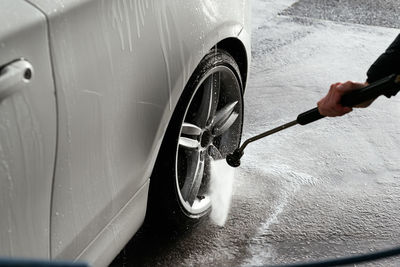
{"points": [[330, 105]]}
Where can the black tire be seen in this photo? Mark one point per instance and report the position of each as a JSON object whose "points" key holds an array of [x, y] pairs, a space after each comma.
{"points": [[174, 197]]}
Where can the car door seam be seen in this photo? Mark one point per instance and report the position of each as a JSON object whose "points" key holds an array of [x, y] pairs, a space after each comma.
{"points": [[57, 120]]}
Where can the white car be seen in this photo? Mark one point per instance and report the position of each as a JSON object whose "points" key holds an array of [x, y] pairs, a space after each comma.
{"points": [[102, 100]]}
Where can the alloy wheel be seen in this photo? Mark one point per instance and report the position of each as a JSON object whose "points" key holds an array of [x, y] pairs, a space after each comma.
{"points": [[210, 130]]}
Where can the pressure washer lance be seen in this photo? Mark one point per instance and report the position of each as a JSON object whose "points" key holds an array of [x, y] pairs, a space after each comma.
{"points": [[388, 86]]}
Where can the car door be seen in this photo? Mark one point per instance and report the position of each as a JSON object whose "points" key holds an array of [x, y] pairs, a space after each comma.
{"points": [[112, 95], [27, 131]]}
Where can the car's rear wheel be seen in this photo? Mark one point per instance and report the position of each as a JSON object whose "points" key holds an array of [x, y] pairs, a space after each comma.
{"points": [[206, 126]]}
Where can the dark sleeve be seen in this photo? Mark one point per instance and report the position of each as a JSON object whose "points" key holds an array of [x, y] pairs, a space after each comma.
{"points": [[388, 63]]}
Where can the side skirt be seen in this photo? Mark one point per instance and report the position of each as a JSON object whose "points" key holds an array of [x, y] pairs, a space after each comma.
{"points": [[112, 239]]}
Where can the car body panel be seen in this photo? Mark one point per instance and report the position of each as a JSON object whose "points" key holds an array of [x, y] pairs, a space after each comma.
{"points": [[111, 240], [120, 67], [245, 34], [27, 135]]}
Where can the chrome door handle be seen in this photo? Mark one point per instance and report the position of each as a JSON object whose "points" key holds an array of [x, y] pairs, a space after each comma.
{"points": [[14, 76]]}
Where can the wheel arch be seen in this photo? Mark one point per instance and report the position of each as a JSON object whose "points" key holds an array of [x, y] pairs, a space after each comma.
{"points": [[237, 50]]}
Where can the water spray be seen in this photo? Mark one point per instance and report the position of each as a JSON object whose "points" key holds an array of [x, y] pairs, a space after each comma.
{"points": [[388, 86]]}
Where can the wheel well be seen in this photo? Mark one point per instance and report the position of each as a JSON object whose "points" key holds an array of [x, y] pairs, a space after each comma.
{"points": [[237, 50]]}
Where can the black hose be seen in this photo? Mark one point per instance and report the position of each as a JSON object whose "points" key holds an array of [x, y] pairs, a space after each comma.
{"points": [[347, 260]]}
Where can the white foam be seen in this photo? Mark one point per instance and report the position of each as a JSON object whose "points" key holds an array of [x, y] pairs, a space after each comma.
{"points": [[221, 189]]}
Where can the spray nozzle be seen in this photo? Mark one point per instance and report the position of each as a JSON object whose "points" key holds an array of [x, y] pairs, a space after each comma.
{"points": [[233, 159]]}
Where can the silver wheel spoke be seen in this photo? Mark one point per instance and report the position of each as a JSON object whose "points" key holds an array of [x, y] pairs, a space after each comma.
{"points": [[225, 125], [204, 188], [188, 143], [224, 113], [190, 129], [224, 116], [194, 177], [209, 101]]}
